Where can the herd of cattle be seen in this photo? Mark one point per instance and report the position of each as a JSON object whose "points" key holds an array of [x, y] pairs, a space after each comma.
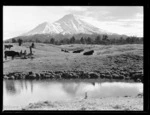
{"points": [[12, 53], [79, 51]]}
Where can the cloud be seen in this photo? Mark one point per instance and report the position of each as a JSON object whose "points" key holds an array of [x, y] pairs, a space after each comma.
{"points": [[115, 13], [139, 16], [75, 8], [131, 27]]}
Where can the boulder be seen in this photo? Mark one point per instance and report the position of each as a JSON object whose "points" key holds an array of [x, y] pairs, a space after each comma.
{"points": [[84, 75], [115, 76], [11, 77], [5, 77], [93, 75]]}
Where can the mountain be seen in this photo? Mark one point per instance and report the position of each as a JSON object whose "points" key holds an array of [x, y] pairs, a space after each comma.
{"points": [[64, 28], [69, 24]]}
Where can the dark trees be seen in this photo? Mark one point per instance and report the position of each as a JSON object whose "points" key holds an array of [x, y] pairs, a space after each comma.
{"points": [[20, 42], [14, 40]]}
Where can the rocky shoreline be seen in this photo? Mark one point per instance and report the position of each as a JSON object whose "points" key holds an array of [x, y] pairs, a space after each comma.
{"points": [[137, 76]]}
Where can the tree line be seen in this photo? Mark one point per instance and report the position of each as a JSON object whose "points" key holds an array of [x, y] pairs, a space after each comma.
{"points": [[103, 40]]}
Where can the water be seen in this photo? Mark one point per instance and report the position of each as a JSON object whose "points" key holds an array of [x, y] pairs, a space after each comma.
{"points": [[22, 92]]}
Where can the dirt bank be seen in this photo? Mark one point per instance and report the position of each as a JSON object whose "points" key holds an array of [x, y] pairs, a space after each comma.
{"points": [[107, 103]]}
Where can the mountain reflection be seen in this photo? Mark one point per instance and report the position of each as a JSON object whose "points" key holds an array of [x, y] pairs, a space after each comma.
{"points": [[77, 88], [71, 88], [14, 87]]}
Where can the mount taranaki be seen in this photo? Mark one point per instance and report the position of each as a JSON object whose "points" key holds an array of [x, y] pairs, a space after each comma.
{"points": [[66, 27]]}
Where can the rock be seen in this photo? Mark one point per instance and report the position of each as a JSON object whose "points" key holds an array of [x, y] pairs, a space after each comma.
{"points": [[65, 76], [41, 75], [17, 76], [57, 76], [127, 78], [137, 76], [32, 76], [58, 72], [140, 95], [23, 76], [47, 75], [107, 76], [138, 80], [102, 75], [115, 76], [122, 77], [84, 75], [75, 75], [5, 77], [11, 77], [93, 75], [37, 75], [30, 73]]}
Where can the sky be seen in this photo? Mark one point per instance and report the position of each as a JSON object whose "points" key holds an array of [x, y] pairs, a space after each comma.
{"points": [[117, 19]]}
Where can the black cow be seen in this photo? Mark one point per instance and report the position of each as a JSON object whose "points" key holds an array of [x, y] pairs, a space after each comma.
{"points": [[8, 46], [89, 52], [11, 53], [78, 51]]}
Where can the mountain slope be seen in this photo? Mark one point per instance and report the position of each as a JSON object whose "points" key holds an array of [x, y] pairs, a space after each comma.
{"points": [[69, 24]]}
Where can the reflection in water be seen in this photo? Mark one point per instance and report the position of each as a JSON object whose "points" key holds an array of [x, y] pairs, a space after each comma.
{"points": [[15, 87], [93, 83], [10, 87], [115, 89], [70, 89], [23, 92], [31, 86]]}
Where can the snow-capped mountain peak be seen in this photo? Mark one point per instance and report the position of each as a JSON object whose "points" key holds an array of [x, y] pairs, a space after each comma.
{"points": [[69, 24]]}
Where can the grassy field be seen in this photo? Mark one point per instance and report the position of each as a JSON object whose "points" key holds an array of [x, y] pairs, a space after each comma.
{"points": [[109, 59]]}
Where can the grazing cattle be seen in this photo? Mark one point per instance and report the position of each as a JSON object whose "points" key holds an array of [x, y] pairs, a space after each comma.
{"points": [[23, 54], [64, 50], [89, 52], [8, 46], [78, 51], [11, 54]]}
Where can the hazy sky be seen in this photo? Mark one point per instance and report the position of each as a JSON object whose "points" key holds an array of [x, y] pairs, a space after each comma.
{"points": [[122, 19]]}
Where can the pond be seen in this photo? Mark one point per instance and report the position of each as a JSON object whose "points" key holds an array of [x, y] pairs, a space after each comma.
{"points": [[17, 93]]}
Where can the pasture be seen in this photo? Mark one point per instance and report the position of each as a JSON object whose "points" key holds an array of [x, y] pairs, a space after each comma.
{"points": [[50, 57]]}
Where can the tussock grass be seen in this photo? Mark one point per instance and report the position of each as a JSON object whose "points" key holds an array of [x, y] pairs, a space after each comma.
{"points": [[50, 57]]}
